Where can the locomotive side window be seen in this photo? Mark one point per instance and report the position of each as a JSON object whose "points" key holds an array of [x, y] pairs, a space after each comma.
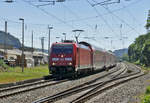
{"points": [[62, 49]]}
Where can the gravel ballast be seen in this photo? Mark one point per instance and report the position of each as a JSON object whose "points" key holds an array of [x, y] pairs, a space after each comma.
{"points": [[128, 92], [31, 96]]}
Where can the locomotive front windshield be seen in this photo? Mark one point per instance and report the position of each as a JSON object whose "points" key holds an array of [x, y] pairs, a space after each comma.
{"points": [[62, 49]]}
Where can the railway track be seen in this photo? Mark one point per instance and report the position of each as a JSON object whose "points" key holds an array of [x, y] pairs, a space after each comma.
{"points": [[80, 88], [10, 91], [14, 90], [121, 72], [24, 85], [102, 87], [91, 88]]}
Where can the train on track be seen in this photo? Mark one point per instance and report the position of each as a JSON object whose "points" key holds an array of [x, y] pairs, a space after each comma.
{"points": [[70, 58]]}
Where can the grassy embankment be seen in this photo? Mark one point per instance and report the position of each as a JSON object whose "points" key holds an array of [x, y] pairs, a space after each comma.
{"points": [[16, 74], [146, 96]]}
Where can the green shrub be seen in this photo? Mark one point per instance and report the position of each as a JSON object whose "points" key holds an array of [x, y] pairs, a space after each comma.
{"points": [[146, 99], [3, 65], [1, 62], [148, 90], [138, 62]]}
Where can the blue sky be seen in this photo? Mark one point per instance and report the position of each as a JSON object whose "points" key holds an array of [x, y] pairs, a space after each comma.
{"points": [[77, 14]]}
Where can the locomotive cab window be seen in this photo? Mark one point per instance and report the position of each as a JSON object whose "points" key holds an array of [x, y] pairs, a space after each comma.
{"points": [[62, 49]]}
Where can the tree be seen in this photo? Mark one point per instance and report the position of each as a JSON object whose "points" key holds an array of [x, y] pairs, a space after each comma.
{"points": [[139, 51], [146, 53], [147, 26]]}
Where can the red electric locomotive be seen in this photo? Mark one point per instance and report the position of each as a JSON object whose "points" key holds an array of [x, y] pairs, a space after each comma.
{"points": [[71, 58]]}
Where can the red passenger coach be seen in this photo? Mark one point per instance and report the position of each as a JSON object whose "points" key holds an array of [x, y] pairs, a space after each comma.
{"points": [[84, 58], [69, 58]]}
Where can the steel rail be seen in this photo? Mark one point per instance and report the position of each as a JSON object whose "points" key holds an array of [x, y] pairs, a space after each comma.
{"points": [[90, 95], [24, 85], [95, 91], [71, 91], [116, 75], [26, 90], [28, 84]]}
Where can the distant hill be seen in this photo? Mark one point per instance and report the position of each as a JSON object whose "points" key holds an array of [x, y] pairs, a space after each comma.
{"points": [[120, 52], [10, 40]]}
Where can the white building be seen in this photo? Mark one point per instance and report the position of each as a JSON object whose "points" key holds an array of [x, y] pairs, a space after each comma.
{"points": [[31, 60]]}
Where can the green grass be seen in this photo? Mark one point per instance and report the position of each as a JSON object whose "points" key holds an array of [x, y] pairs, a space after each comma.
{"points": [[16, 74], [146, 97]]}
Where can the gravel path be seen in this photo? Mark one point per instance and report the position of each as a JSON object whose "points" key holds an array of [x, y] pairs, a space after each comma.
{"points": [[126, 93], [28, 97]]}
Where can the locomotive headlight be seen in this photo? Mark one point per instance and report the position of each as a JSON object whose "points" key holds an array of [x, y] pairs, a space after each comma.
{"points": [[70, 63], [62, 56], [53, 63]]}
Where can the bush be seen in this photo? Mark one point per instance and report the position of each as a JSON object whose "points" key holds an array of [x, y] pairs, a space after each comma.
{"points": [[148, 90], [3, 65], [146, 99]]}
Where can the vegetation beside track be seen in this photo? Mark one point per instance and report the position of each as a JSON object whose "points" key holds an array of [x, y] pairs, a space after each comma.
{"points": [[146, 97], [146, 68], [139, 51], [15, 74], [3, 66]]}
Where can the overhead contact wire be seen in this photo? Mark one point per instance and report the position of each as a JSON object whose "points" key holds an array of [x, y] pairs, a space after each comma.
{"points": [[105, 21], [43, 10]]}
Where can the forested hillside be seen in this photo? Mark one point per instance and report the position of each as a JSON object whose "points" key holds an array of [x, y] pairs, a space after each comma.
{"points": [[10, 40], [139, 51], [120, 52]]}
